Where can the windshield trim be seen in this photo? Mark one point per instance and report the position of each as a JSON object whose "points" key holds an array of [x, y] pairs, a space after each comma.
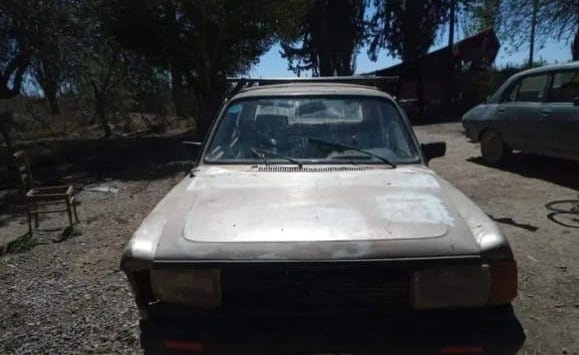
{"points": [[413, 141]]}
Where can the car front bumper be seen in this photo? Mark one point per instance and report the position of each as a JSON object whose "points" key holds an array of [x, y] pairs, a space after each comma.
{"points": [[482, 331]]}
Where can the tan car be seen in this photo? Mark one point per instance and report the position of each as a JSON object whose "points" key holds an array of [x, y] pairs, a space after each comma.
{"points": [[312, 223]]}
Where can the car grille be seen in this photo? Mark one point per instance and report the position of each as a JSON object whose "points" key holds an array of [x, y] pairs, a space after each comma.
{"points": [[314, 288]]}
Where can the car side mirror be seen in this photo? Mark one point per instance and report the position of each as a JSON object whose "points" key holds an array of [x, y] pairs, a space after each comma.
{"points": [[433, 150], [576, 101], [196, 149]]}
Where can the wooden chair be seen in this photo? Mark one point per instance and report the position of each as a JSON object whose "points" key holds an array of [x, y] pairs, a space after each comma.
{"points": [[44, 200]]}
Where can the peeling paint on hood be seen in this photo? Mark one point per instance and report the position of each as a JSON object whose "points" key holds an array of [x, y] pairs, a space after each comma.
{"points": [[282, 207], [239, 213]]}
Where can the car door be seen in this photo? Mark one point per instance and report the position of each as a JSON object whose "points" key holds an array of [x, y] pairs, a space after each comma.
{"points": [[520, 113], [561, 116]]}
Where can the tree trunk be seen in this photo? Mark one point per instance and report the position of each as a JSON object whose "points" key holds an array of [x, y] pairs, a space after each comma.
{"points": [[325, 65], [48, 80], [101, 114], [447, 83], [208, 107], [52, 103], [177, 87], [5, 121], [575, 46], [175, 63], [420, 92]]}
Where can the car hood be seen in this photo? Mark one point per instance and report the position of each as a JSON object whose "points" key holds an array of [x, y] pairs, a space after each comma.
{"points": [[310, 207], [326, 213]]}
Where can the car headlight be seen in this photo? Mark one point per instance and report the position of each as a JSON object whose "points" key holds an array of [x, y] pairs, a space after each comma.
{"points": [[465, 285], [192, 287], [451, 286], [504, 281]]}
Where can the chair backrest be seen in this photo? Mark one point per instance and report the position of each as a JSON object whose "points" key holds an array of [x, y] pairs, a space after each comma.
{"points": [[23, 166]]}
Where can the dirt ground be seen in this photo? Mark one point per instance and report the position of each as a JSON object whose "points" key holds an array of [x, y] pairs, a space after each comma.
{"points": [[69, 296], [547, 253]]}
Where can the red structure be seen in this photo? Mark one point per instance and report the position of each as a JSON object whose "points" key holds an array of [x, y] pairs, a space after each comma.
{"points": [[440, 77]]}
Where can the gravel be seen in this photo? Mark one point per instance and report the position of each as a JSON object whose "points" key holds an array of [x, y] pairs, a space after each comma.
{"points": [[70, 297]]}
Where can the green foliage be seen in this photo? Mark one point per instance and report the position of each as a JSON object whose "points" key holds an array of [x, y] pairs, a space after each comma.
{"points": [[171, 57], [555, 19], [199, 43], [407, 29], [14, 53], [477, 15], [42, 31], [329, 38], [21, 244]]}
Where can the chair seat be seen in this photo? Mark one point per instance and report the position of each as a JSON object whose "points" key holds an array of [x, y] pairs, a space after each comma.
{"points": [[47, 199], [50, 193]]}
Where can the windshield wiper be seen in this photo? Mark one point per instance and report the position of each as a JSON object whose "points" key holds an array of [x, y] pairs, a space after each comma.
{"points": [[262, 152], [348, 147]]}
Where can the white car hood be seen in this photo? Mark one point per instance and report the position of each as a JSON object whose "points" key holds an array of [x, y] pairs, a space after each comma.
{"points": [[374, 204]]}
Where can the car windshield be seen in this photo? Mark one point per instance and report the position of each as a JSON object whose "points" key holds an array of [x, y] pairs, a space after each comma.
{"points": [[337, 130]]}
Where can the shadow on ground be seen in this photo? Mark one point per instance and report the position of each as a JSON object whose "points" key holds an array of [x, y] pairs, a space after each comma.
{"points": [[11, 205], [127, 158], [557, 171], [510, 221], [81, 162]]}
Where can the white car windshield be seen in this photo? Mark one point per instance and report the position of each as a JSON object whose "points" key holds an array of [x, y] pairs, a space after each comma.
{"points": [[312, 129]]}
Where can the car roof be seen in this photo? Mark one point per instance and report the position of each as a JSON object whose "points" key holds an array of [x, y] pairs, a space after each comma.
{"points": [[548, 68], [495, 98], [297, 89]]}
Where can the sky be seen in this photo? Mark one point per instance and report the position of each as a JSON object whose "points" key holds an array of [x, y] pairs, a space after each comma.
{"points": [[271, 64]]}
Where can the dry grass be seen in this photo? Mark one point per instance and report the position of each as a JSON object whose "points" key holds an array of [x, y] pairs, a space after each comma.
{"points": [[31, 121]]}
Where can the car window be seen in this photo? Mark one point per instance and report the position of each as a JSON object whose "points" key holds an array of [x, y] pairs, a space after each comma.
{"points": [[290, 126], [565, 86], [510, 94], [532, 88]]}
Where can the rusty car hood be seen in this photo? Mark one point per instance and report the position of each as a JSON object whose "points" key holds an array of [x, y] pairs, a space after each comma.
{"points": [[235, 213]]}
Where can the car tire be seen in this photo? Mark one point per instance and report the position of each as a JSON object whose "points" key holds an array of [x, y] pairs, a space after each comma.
{"points": [[493, 149]]}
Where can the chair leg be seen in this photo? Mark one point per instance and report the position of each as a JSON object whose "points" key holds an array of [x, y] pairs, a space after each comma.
{"points": [[29, 223], [69, 212], [36, 220], [74, 210]]}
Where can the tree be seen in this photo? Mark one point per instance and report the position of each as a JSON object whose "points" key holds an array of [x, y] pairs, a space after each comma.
{"points": [[329, 38], [199, 42], [41, 28], [405, 28], [51, 24], [14, 54], [477, 15], [163, 25], [557, 19], [102, 66], [560, 17], [14, 60]]}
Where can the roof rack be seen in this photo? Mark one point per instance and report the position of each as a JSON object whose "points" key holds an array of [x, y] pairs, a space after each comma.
{"points": [[321, 79], [370, 80]]}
